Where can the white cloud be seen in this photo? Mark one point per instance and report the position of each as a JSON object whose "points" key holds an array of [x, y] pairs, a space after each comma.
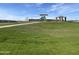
{"points": [[55, 7], [33, 4], [4, 14], [63, 9]]}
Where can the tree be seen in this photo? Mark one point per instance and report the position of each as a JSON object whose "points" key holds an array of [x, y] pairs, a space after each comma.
{"points": [[43, 18]]}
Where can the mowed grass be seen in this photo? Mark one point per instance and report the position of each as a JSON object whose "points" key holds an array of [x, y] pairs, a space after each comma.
{"points": [[10, 23], [2, 24], [46, 38]]}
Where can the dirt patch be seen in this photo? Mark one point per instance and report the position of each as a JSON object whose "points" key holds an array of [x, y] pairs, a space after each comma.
{"points": [[59, 32], [62, 30]]}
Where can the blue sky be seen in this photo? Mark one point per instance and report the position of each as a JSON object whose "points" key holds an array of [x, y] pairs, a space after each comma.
{"points": [[21, 11]]}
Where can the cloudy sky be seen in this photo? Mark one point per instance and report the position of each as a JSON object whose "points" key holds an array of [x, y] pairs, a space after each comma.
{"points": [[20, 11]]}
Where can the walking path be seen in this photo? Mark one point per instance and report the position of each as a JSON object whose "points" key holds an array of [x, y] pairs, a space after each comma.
{"points": [[18, 24]]}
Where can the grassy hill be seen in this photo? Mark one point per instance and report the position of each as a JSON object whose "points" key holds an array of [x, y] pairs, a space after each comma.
{"points": [[46, 38]]}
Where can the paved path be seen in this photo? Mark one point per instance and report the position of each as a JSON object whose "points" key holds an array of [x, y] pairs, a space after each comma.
{"points": [[18, 24]]}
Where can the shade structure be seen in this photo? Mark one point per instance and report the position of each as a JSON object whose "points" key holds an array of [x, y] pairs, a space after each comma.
{"points": [[43, 14]]}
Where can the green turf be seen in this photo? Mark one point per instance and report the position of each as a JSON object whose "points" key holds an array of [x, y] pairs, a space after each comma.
{"points": [[48, 38], [11, 23], [2, 24]]}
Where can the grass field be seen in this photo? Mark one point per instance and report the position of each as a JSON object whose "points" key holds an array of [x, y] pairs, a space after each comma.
{"points": [[2, 24], [11, 23], [48, 38]]}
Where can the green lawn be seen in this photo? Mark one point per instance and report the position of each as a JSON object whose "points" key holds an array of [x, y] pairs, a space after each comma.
{"points": [[11, 23], [2, 24], [48, 38]]}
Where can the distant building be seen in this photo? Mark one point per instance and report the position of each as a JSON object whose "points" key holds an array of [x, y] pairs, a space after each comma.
{"points": [[43, 18], [61, 18], [34, 20]]}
